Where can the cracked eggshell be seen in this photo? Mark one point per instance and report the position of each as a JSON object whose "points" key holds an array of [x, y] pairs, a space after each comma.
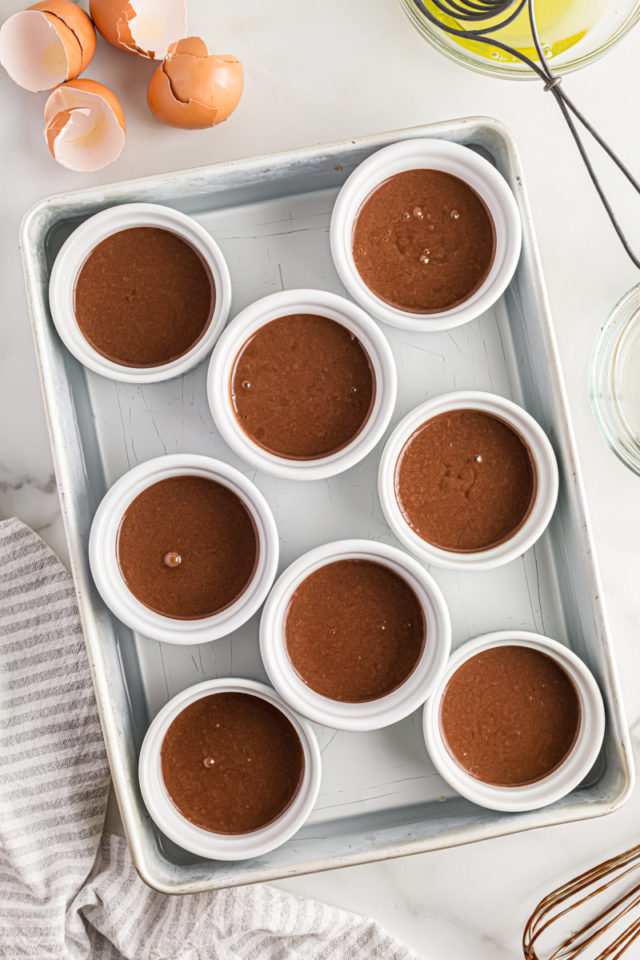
{"points": [[193, 88], [143, 27], [84, 125], [47, 44]]}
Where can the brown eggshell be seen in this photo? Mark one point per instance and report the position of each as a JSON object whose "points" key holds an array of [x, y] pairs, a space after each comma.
{"points": [[46, 44], [116, 21], [84, 125], [194, 89], [71, 43], [92, 86], [75, 19]]}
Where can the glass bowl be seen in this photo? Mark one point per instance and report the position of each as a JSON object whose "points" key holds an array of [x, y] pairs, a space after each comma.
{"points": [[574, 33], [614, 384]]}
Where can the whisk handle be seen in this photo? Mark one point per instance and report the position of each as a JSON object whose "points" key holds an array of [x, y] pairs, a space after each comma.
{"points": [[569, 112]]}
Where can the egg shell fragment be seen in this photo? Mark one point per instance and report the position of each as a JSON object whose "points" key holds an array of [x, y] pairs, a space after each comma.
{"points": [[84, 125], [143, 27], [194, 89], [47, 44]]}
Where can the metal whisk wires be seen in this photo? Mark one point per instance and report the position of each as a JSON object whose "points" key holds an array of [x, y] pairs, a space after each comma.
{"points": [[502, 13], [577, 893], [470, 11]]}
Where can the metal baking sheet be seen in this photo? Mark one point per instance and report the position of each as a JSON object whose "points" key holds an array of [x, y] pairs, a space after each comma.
{"points": [[380, 796]]}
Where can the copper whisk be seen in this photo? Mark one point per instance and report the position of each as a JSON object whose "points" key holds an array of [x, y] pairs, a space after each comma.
{"points": [[577, 893]]}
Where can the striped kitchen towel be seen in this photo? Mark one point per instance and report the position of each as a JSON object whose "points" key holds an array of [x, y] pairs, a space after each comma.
{"points": [[66, 891]]}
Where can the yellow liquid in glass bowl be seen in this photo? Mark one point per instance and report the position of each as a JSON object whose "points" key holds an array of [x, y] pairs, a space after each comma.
{"points": [[561, 24]]}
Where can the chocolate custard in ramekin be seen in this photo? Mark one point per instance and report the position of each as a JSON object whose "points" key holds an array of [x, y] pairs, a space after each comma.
{"points": [[468, 480], [143, 297], [423, 241], [187, 547], [354, 630], [425, 234], [302, 384], [355, 634], [465, 481], [231, 762], [140, 292], [510, 715], [515, 722], [183, 548], [228, 771]]}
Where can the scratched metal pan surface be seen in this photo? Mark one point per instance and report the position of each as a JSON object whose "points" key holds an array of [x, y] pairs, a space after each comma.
{"points": [[380, 795]]}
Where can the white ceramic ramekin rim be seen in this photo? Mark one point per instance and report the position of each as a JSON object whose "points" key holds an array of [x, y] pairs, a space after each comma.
{"points": [[216, 846], [373, 714], [546, 475], [561, 781], [451, 158], [104, 562], [79, 245], [279, 305]]}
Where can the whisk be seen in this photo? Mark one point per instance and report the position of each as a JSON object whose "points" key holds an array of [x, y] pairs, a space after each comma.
{"points": [[472, 11], [575, 894]]}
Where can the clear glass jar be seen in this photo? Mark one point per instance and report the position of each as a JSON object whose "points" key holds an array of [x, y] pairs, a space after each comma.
{"points": [[574, 33], [614, 379]]}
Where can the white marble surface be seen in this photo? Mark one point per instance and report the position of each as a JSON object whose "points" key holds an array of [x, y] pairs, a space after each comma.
{"points": [[318, 72]]}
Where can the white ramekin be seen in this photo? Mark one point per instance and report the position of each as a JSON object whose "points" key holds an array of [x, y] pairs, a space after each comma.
{"points": [[104, 561], [77, 248], [546, 480], [204, 843], [433, 155], [374, 713], [280, 305], [562, 780]]}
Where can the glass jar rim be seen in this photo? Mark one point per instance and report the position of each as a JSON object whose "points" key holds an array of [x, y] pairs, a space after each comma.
{"points": [[622, 322]]}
